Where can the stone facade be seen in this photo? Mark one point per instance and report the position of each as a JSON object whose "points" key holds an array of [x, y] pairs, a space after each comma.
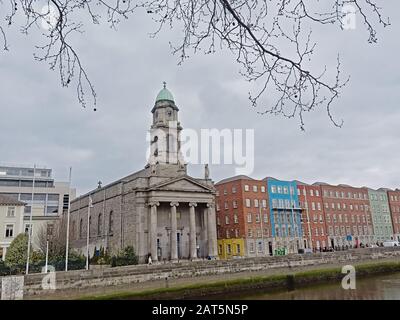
{"points": [[159, 210]]}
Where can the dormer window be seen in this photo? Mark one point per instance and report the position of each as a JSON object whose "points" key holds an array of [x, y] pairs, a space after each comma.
{"points": [[169, 112]]}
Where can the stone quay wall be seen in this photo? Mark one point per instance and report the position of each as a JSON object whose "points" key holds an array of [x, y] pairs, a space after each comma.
{"points": [[106, 276]]}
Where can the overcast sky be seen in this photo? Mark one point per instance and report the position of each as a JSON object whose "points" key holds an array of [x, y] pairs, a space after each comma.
{"points": [[43, 123]]}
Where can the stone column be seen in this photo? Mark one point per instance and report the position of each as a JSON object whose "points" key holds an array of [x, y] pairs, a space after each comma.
{"points": [[173, 239], [153, 230], [192, 225], [212, 231]]}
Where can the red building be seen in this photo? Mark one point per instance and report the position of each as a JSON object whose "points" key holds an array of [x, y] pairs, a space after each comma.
{"points": [[313, 217], [394, 205], [347, 215], [242, 217]]}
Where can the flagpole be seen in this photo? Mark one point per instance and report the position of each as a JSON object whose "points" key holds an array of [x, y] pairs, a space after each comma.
{"points": [[30, 222], [87, 233], [68, 217]]}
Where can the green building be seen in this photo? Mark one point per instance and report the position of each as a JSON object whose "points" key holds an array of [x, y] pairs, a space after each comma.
{"points": [[383, 229]]}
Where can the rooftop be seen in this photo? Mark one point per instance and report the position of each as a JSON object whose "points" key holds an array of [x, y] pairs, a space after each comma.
{"points": [[9, 201]]}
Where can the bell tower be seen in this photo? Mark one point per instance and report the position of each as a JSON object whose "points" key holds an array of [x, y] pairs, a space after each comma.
{"points": [[165, 144]]}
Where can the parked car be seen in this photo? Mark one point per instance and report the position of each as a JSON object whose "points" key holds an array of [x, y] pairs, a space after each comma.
{"points": [[374, 246], [391, 243]]}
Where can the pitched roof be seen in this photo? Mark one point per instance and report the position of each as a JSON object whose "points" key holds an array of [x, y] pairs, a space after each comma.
{"points": [[5, 200], [239, 177]]}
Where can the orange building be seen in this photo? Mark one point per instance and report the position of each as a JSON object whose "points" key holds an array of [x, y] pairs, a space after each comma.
{"points": [[243, 213]]}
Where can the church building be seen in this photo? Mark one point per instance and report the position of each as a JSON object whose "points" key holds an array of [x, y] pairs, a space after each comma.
{"points": [[159, 210]]}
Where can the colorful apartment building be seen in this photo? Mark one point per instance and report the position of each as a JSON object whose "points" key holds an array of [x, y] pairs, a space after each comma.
{"points": [[315, 235], [243, 225], [276, 217], [347, 215], [285, 216], [381, 219], [394, 204]]}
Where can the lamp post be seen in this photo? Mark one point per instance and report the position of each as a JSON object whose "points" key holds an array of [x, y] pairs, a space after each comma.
{"points": [[47, 255], [68, 215], [30, 222], [90, 205]]}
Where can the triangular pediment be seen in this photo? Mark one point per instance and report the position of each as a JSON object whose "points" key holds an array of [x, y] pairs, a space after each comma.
{"points": [[183, 184]]}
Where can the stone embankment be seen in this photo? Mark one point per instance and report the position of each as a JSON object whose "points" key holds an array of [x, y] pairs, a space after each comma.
{"points": [[137, 276]]}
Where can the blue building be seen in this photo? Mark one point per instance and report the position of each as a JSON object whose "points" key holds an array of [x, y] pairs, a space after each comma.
{"points": [[285, 216]]}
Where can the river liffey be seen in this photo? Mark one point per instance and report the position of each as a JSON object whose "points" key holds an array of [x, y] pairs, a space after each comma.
{"points": [[385, 287]]}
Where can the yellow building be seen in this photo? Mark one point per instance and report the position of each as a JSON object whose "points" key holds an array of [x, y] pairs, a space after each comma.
{"points": [[230, 248]]}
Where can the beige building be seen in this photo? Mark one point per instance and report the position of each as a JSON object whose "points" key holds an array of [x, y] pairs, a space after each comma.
{"points": [[11, 222], [159, 210], [50, 199]]}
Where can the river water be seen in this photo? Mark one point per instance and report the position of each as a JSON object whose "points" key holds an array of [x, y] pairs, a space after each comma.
{"points": [[375, 288]]}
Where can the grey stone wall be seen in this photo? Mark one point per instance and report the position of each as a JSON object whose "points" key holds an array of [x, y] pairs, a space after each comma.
{"points": [[185, 269]]}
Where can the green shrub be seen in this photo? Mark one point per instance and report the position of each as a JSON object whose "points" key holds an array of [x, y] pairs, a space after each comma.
{"points": [[125, 258], [17, 252]]}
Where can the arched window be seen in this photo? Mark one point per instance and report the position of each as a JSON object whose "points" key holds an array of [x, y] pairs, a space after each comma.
{"points": [[73, 230], [99, 224], [81, 229], [110, 223]]}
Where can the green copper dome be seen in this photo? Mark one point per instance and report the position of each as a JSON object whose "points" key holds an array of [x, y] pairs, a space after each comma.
{"points": [[165, 94]]}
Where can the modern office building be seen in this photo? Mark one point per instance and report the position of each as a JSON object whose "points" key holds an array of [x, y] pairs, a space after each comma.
{"points": [[50, 198]]}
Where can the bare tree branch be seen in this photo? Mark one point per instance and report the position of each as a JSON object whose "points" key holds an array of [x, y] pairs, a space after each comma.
{"points": [[271, 41]]}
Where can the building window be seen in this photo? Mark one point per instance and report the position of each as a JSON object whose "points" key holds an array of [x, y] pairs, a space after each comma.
{"points": [[265, 218], [285, 190], [110, 223], [313, 205], [217, 206], [234, 203], [235, 218], [99, 224], [218, 221], [319, 206], [279, 189], [248, 203], [228, 249], [81, 229], [226, 205], [257, 217], [238, 248], [236, 233], [316, 193], [225, 192], [226, 219], [251, 247], [227, 234], [256, 203], [311, 192], [11, 212], [50, 230], [233, 189], [264, 203], [249, 217], [262, 190], [246, 187], [9, 231], [255, 189], [250, 233], [273, 189], [27, 228]]}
